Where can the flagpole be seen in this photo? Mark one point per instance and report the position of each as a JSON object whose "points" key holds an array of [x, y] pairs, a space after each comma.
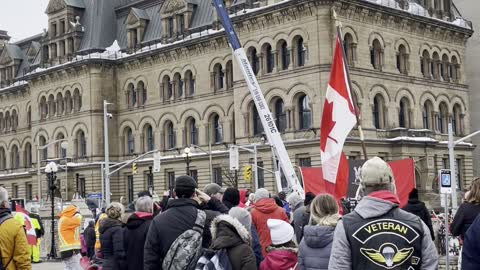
{"points": [[354, 99]]}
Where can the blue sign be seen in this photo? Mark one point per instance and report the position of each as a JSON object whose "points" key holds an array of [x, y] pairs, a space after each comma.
{"points": [[94, 196]]}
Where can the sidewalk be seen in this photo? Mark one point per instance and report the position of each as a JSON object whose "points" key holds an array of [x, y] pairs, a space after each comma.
{"points": [[48, 266]]}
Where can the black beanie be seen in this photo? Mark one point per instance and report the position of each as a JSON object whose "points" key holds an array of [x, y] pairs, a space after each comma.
{"points": [[413, 194], [232, 195], [309, 196], [185, 182]]}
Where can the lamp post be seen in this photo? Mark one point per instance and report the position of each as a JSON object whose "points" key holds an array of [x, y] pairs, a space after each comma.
{"points": [[209, 153], [187, 154], [51, 170], [63, 145], [106, 171]]}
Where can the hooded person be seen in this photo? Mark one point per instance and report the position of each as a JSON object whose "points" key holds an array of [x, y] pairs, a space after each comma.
{"points": [[316, 245], [301, 216], [418, 208], [89, 236], [246, 219], [402, 239], [69, 225], [136, 230], [111, 238], [282, 253], [265, 208], [232, 235]]}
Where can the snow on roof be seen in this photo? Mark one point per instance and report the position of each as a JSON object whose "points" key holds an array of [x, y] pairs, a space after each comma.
{"points": [[412, 139]]}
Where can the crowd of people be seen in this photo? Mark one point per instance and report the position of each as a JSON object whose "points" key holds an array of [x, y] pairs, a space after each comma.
{"points": [[217, 228]]}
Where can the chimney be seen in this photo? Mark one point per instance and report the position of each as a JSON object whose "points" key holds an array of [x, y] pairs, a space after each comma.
{"points": [[4, 38]]}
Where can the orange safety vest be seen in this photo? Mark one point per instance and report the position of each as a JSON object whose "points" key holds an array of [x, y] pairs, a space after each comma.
{"points": [[97, 230]]}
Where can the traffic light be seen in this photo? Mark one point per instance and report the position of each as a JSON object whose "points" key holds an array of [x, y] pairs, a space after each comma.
{"points": [[134, 168], [247, 173]]}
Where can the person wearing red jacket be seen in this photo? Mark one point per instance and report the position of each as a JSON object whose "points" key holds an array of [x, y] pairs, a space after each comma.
{"points": [[282, 254], [265, 208]]}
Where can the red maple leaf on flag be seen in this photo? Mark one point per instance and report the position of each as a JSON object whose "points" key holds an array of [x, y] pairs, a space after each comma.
{"points": [[327, 124]]}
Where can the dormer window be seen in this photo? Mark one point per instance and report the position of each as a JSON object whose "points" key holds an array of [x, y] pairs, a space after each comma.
{"points": [[176, 18], [53, 29], [136, 22], [171, 27], [62, 27]]}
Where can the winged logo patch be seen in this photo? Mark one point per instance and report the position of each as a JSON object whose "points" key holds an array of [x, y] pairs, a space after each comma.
{"points": [[388, 256]]}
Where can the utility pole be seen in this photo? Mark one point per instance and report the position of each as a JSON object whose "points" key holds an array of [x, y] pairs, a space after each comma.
{"points": [[106, 115]]}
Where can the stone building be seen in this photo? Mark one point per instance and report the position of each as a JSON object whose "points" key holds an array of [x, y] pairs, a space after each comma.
{"points": [[168, 70]]}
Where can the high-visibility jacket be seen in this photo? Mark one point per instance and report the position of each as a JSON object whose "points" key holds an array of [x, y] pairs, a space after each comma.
{"points": [[97, 232], [69, 229]]}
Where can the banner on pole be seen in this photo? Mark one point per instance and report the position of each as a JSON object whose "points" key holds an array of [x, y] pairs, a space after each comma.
{"points": [[156, 162]]}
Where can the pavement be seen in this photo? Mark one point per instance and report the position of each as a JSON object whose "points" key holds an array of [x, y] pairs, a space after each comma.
{"points": [[47, 266]]}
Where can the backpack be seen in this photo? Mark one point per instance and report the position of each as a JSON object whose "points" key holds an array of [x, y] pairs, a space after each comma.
{"points": [[214, 260], [4, 267], [183, 254]]}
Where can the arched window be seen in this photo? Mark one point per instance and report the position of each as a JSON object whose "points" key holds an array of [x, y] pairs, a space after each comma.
{"points": [[445, 65], [443, 118], [77, 100], [170, 140], [131, 95], [3, 159], [425, 64], [376, 55], [218, 77], [254, 61], [8, 121], [350, 49], [436, 66], [280, 115], [15, 158], [43, 108], [14, 120], [178, 84], [167, 88], [427, 115], [51, 106], [142, 92], [229, 75], [60, 104], [379, 112], [269, 58], [130, 141], [29, 117], [149, 138], [191, 131], [284, 54], [61, 153], [256, 122], [304, 112], [300, 51], [68, 102], [217, 130], [455, 70], [189, 83], [81, 144], [2, 122], [402, 59], [27, 155], [457, 120], [42, 142], [404, 113]]}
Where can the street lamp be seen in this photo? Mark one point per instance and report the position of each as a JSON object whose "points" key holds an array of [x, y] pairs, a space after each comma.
{"points": [[51, 170], [106, 171], [63, 145], [187, 154]]}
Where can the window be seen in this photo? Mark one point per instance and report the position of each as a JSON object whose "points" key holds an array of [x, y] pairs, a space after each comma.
{"points": [[149, 141], [194, 175], [425, 64], [261, 174], [217, 129], [305, 112], [8, 121], [402, 59], [81, 144], [379, 112], [77, 100], [170, 27], [256, 122], [300, 51], [15, 190], [150, 183], [427, 114], [142, 93], [192, 131], [43, 142], [130, 188], [130, 141], [51, 106], [61, 153], [457, 120], [178, 84], [170, 133], [80, 182], [280, 115], [29, 191], [189, 83], [305, 162], [14, 120], [445, 66], [284, 55], [376, 55], [15, 160], [29, 116], [167, 88], [443, 118], [254, 62], [455, 70], [171, 180], [3, 159], [181, 24], [68, 102], [218, 77], [404, 113], [131, 96], [435, 65], [28, 155], [350, 48], [43, 108], [217, 176], [269, 58], [60, 104], [229, 75]]}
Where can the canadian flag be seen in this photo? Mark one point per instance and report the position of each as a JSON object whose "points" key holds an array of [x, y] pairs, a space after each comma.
{"points": [[22, 215], [338, 119]]}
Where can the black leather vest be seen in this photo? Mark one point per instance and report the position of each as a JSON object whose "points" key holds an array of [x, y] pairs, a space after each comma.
{"points": [[393, 241]]}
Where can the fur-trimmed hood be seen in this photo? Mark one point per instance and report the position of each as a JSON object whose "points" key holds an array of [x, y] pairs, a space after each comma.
{"points": [[289, 249], [228, 231]]}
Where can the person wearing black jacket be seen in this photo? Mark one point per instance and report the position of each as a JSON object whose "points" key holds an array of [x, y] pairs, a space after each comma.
{"points": [[418, 208], [111, 238], [136, 232], [179, 217], [467, 212], [90, 238]]}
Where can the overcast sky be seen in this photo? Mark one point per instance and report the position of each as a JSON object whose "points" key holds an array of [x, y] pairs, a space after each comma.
{"points": [[23, 18]]}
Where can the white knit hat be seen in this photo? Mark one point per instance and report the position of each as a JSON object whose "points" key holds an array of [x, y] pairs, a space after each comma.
{"points": [[280, 231], [376, 172], [243, 216], [261, 193]]}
